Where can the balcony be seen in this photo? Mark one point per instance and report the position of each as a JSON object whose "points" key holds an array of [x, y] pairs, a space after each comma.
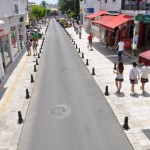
{"points": [[135, 5]]}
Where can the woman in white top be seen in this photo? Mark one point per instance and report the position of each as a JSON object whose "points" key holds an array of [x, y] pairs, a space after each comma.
{"points": [[134, 75], [119, 78], [145, 70]]}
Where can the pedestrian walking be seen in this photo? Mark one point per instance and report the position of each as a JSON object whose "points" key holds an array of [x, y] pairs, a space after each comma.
{"points": [[31, 37], [119, 78], [145, 70], [135, 41], [134, 77], [28, 46], [80, 32], [36, 37], [120, 48], [77, 27], [90, 38], [34, 48]]}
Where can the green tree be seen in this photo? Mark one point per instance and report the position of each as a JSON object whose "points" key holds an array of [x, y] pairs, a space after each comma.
{"points": [[43, 4], [37, 12]]}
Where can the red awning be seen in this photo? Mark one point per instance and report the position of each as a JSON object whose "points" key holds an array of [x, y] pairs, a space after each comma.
{"points": [[99, 13], [103, 20], [145, 58], [111, 23]]}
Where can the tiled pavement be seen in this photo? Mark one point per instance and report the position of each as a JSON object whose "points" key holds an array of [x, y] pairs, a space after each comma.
{"points": [[136, 108], [14, 100]]}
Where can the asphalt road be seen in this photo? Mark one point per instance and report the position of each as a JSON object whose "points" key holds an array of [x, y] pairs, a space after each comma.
{"points": [[67, 109]]}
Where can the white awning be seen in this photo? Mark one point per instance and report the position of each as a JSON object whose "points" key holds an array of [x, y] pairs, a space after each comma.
{"points": [[2, 24]]}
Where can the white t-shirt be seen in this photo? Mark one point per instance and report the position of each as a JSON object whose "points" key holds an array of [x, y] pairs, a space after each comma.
{"points": [[134, 73], [121, 46], [145, 70]]}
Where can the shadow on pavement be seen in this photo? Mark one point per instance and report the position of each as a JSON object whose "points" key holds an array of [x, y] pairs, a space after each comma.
{"points": [[8, 73], [110, 54]]}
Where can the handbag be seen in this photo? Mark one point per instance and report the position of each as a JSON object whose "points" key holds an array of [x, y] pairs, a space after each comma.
{"points": [[135, 79]]}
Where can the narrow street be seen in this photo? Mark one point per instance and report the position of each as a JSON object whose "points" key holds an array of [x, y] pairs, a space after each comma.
{"points": [[68, 110]]}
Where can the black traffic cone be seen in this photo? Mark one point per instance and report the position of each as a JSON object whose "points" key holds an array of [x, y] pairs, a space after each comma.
{"points": [[106, 91], [126, 126], [76, 46], [82, 55], [35, 68], [27, 94], [38, 55], [37, 62], [79, 50], [87, 62], [93, 71], [115, 66], [32, 80], [74, 43], [20, 120]]}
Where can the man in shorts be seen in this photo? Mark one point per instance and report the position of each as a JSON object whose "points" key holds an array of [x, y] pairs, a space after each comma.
{"points": [[90, 38]]}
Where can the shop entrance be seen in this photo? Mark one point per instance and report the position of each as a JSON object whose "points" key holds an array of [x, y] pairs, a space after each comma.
{"points": [[5, 52], [147, 36]]}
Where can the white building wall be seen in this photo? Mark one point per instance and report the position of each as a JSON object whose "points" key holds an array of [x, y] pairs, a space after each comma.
{"points": [[11, 17], [5, 8], [110, 5]]}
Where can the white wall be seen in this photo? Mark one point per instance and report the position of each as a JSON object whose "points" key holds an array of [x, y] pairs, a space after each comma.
{"points": [[110, 5], [90, 4], [7, 7]]}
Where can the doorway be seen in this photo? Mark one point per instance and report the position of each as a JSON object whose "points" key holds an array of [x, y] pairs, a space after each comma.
{"points": [[147, 36]]}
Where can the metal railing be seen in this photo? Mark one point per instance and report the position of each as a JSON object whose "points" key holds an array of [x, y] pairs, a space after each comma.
{"points": [[135, 5]]}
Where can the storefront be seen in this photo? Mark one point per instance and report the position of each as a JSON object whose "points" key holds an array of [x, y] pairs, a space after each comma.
{"points": [[144, 31], [117, 27], [5, 54], [15, 48], [18, 33]]}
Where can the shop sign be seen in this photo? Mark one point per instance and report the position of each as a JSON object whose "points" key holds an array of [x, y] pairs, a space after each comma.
{"points": [[89, 10], [143, 17], [146, 18], [139, 17]]}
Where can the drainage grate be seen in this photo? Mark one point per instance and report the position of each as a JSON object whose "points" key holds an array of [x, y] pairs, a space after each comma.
{"points": [[60, 111]]}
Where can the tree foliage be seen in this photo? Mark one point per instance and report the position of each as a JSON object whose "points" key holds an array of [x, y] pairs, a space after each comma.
{"points": [[66, 5], [37, 12]]}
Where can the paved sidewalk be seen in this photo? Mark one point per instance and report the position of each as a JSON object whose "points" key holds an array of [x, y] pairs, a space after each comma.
{"points": [[14, 100], [136, 108]]}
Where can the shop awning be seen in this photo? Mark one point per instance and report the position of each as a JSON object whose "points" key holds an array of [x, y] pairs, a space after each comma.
{"points": [[103, 20], [2, 24], [115, 21], [99, 13], [144, 57]]}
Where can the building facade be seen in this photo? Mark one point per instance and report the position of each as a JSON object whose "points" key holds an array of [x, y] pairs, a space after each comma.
{"points": [[121, 19], [13, 14]]}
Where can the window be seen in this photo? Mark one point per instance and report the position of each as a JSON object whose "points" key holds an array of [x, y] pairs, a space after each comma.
{"points": [[16, 9], [105, 1], [113, 0]]}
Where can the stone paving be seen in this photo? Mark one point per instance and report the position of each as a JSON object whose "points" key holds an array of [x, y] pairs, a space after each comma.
{"points": [[102, 59], [137, 108], [14, 100]]}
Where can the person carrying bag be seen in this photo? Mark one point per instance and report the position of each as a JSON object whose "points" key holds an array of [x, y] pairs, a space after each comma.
{"points": [[134, 77]]}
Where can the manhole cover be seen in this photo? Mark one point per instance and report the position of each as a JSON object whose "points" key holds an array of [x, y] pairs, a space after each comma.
{"points": [[60, 111]]}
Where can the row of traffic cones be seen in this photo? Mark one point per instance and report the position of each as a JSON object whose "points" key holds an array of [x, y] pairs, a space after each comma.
{"points": [[20, 119], [125, 125]]}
